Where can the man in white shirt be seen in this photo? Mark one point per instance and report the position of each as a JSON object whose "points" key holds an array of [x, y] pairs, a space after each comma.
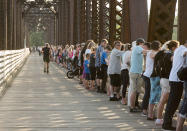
{"points": [[176, 87]]}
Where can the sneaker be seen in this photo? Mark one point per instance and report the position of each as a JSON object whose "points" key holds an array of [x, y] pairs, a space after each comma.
{"points": [[133, 110], [169, 128], [143, 114], [112, 99], [159, 122]]}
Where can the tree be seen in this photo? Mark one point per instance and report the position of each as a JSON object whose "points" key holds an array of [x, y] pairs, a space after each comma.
{"points": [[37, 38]]}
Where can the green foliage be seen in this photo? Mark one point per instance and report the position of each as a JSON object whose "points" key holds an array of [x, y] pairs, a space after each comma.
{"points": [[37, 38]]}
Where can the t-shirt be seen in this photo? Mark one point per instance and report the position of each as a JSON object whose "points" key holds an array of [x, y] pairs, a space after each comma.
{"points": [[114, 66], [86, 68], [126, 57], [46, 52], [88, 51], [103, 57], [99, 52], [149, 65], [137, 60], [92, 60], [178, 61]]}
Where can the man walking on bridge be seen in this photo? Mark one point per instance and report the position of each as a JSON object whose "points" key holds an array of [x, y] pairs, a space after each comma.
{"points": [[46, 57]]}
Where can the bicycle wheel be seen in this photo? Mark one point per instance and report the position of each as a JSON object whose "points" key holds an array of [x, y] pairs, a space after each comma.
{"points": [[70, 74]]}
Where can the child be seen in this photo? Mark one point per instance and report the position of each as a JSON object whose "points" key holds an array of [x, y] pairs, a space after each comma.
{"points": [[87, 71]]}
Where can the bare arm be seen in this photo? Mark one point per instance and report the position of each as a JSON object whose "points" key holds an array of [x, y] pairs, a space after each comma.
{"points": [[152, 55]]}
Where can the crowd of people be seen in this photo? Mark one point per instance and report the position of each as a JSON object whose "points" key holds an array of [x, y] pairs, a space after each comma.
{"points": [[142, 68]]}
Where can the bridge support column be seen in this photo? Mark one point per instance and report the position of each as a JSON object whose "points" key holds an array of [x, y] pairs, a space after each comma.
{"points": [[95, 21], [75, 22], [3, 25], [103, 18], [83, 21], [9, 24], [161, 20], [88, 19], [182, 17], [112, 30]]}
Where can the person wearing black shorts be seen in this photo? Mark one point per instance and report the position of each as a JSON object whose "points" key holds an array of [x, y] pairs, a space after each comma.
{"points": [[46, 57], [114, 71], [99, 52]]}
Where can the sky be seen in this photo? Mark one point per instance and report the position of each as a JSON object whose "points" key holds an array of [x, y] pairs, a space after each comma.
{"points": [[149, 4]]}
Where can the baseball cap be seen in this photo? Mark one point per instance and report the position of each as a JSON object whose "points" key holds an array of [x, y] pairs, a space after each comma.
{"points": [[140, 40]]}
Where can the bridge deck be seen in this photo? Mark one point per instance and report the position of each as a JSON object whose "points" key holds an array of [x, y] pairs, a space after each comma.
{"points": [[41, 102]]}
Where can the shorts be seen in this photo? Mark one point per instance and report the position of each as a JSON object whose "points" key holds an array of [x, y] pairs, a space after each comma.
{"points": [[136, 82], [93, 73], [87, 76], [155, 93], [104, 68], [125, 77], [46, 59], [115, 80], [164, 83], [99, 73]]}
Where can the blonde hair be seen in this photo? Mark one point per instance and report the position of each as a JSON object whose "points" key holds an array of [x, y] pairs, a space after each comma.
{"points": [[165, 45], [91, 44]]}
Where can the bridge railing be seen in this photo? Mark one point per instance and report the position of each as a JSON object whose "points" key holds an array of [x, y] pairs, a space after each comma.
{"points": [[10, 61]]}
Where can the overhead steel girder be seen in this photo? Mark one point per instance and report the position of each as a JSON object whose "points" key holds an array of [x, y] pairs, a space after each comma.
{"points": [[161, 20], [40, 4]]}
